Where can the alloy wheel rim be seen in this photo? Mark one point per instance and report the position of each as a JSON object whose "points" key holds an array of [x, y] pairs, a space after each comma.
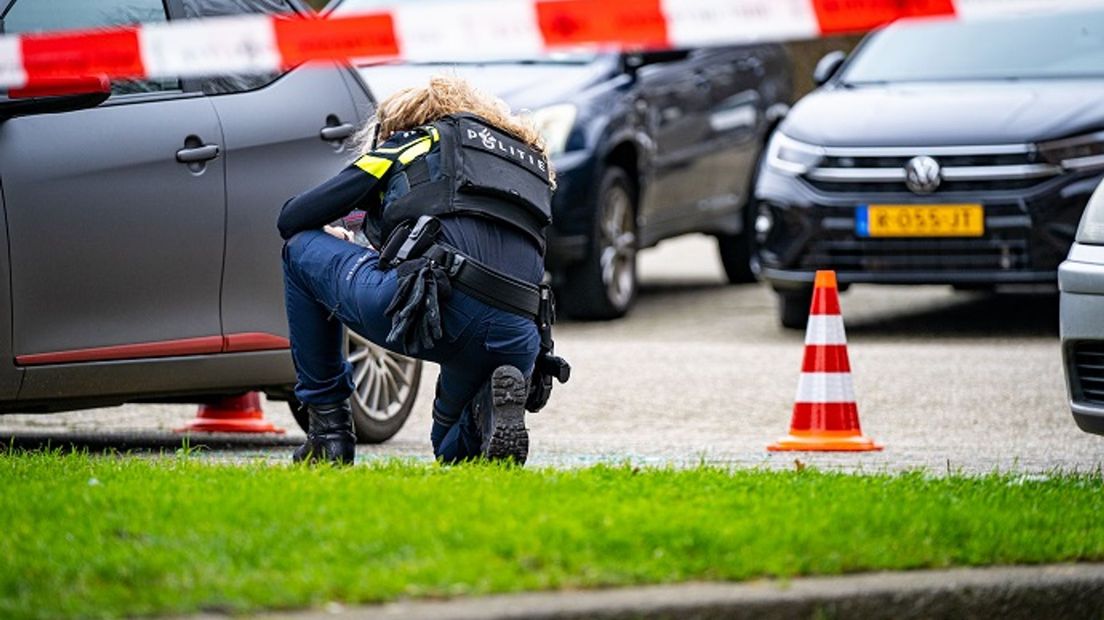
{"points": [[618, 257], [381, 379]]}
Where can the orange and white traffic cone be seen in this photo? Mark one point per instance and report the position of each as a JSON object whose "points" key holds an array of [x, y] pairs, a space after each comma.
{"points": [[825, 416], [236, 414]]}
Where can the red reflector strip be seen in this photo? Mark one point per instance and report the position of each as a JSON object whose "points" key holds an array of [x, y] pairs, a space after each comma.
{"points": [[168, 348], [232, 343], [826, 358], [629, 23], [300, 40], [825, 417], [115, 53], [254, 341]]}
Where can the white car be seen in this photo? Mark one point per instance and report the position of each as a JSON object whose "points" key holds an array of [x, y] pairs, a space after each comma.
{"points": [[1081, 279]]}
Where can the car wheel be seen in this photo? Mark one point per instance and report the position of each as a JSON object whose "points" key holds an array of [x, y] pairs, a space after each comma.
{"points": [[793, 308], [385, 386], [603, 285], [739, 252]]}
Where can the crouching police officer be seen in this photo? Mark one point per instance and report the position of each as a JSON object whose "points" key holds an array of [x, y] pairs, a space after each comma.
{"points": [[456, 201]]}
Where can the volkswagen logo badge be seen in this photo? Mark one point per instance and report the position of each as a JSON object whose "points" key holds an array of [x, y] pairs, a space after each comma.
{"points": [[922, 175]]}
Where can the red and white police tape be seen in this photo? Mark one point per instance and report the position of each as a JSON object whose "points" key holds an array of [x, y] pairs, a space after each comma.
{"points": [[453, 29]]}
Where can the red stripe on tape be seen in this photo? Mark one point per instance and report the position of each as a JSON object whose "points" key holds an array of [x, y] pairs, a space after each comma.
{"points": [[300, 40], [46, 87], [115, 53], [825, 417], [825, 301], [839, 16], [630, 23], [826, 358]]}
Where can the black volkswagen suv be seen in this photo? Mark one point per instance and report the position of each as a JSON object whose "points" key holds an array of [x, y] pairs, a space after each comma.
{"points": [[940, 152]]}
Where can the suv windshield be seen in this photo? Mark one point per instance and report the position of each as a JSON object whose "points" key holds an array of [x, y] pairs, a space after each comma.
{"points": [[1065, 45]]}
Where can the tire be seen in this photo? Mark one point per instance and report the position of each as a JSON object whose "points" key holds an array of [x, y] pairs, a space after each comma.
{"points": [[739, 252], [736, 254], [603, 286], [385, 387], [793, 308]]}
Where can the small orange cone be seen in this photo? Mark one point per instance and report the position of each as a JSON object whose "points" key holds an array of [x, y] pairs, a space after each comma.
{"points": [[825, 416], [236, 414]]}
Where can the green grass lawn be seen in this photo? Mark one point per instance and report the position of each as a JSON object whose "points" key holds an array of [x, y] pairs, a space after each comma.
{"points": [[113, 536]]}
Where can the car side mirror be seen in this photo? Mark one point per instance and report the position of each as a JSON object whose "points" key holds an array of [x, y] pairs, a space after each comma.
{"points": [[53, 96], [827, 66]]}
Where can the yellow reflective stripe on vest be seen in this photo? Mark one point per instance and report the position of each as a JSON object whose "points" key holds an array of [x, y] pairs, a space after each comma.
{"points": [[421, 147], [375, 166]]}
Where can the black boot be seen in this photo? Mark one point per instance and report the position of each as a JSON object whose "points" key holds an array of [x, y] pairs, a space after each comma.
{"points": [[329, 436], [499, 414]]}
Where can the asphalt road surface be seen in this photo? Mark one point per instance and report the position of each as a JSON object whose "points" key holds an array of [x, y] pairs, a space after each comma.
{"points": [[701, 372]]}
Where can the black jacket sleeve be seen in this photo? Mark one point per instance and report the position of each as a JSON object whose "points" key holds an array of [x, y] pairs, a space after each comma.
{"points": [[355, 187], [331, 200]]}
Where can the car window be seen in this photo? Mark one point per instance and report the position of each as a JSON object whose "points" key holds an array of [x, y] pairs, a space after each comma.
{"points": [[221, 8], [38, 16], [1062, 45]]}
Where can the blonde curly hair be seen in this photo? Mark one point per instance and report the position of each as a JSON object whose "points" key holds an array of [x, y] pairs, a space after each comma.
{"points": [[444, 95]]}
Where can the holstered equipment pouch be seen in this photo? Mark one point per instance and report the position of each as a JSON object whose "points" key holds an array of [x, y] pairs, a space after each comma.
{"points": [[548, 365], [423, 283]]}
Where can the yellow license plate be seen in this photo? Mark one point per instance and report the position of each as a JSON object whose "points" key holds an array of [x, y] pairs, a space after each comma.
{"points": [[958, 220]]}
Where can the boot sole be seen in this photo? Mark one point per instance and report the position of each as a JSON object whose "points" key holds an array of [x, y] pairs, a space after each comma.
{"points": [[509, 439]]}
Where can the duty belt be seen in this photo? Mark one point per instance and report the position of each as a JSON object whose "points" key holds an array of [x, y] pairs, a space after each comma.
{"points": [[488, 285], [431, 267]]}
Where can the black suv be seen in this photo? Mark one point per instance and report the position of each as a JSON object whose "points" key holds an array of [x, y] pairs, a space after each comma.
{"points": [[941, 152], [646, 146]]}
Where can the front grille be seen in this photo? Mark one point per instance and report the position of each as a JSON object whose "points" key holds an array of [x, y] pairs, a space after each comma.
{"points": [[946, 187], [917, 255], [963, 169], [1088, 372]]}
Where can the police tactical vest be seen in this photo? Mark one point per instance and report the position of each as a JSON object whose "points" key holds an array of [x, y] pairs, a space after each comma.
{"points": [[473, 169]]}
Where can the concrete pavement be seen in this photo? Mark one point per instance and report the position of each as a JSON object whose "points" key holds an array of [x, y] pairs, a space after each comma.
{"points": [[700, 371]]}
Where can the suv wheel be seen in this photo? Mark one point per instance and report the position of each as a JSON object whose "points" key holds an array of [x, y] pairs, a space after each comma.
{"points": [[793, 308], [385, 386], [738, 252], [603, 285]]}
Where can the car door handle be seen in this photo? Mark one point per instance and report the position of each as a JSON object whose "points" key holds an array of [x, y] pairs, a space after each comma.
{"points": [[337, 132], [191, 155]]}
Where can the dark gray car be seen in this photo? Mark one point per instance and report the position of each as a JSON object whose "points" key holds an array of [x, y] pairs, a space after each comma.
{"points": [[140, 241]]}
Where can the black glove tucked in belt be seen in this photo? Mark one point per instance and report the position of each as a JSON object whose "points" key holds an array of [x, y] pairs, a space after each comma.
{"points": [[415, 310]]}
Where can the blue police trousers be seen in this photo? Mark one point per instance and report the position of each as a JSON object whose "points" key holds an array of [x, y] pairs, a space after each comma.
{"points": [[330, 283]]}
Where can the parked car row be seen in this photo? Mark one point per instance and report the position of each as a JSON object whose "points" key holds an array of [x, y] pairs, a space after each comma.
{"points": [[139, 221]]}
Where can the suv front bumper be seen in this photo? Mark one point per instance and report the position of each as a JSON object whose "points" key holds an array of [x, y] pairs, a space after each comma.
{"points": [[1027, 234]]}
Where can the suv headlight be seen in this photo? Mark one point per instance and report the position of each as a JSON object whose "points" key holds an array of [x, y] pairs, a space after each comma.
{"points": [[1091, 230], [1078, 153], [789, 156], [555, 123]]}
